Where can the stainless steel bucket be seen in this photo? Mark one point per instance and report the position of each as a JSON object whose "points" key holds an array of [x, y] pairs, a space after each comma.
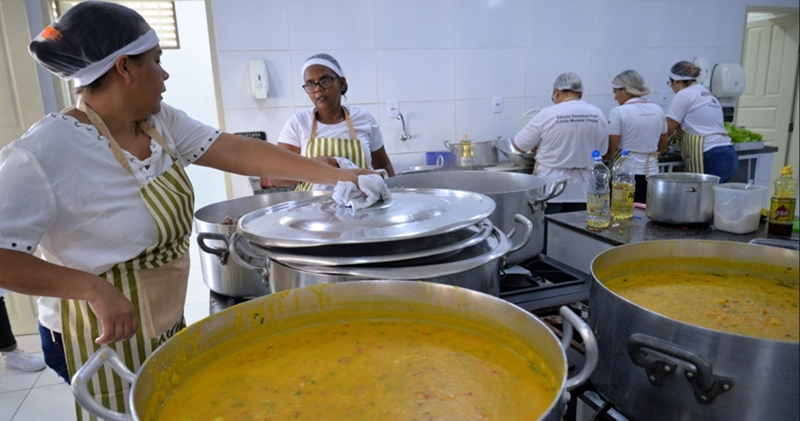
{"points": [[513, 193], [221, 274], [681, 198]]}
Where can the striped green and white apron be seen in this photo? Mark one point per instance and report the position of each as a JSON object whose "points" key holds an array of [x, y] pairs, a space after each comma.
{"points": [[334, 146], [691, 150], [162, 267]]}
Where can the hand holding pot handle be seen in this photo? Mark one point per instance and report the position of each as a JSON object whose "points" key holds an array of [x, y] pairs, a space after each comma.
{"points": [[85, 373], [568, 320]]}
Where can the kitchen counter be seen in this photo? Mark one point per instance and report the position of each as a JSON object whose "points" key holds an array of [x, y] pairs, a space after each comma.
{"points": [[571, 242]]}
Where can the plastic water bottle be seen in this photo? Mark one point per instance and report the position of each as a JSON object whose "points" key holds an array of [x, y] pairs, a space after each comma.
{"points": [[598, 208], [467, 155], [623, 184]]}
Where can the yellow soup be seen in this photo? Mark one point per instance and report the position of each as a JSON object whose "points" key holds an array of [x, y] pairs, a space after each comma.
{"points": [[367, 370], [731, 302]]}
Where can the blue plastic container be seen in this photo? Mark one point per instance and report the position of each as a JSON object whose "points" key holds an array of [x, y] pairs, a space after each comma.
{"points": [[432, 157]]}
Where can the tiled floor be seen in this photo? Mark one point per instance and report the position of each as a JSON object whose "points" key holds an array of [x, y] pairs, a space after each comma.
{"points": [[43, 396]]}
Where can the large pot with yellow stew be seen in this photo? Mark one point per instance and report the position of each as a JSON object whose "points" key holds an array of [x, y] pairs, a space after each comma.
{"points": [[697, 330], [361, 350]]}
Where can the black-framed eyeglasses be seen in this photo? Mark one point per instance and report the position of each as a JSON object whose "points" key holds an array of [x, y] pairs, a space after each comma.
{"points": [[324, 83], [670, 82]]}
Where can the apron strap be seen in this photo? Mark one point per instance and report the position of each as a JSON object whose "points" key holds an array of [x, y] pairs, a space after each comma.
{"points": [[346, 118]]}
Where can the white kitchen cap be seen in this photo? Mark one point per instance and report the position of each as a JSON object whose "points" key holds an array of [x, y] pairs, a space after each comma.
{"points": [[325, 60], [568, 81], [684, 70], [632, 81]]}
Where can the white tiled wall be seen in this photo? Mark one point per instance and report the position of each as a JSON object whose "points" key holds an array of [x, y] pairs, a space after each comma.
{"points": [[444, 60]]}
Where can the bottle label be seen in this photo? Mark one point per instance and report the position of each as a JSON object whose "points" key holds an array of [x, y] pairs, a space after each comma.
{"points": [[781, 211]]}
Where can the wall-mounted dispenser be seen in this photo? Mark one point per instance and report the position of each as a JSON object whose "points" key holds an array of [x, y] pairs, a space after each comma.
{"points": [[259, 80], [705, 71], [728, 80]]}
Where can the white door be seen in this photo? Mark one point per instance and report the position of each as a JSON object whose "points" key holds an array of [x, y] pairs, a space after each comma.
{"points": [[20, 107], [770, 63]]}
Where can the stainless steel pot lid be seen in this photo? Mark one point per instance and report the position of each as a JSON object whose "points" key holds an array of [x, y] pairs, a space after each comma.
{"points": [[435, 247], [410, 213], [493, 247]]}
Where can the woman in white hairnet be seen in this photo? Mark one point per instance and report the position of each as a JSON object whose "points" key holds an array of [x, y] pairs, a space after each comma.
{"points": [[100, 189], [331, 132], [636, 125], [695, 118], [566, 134]]}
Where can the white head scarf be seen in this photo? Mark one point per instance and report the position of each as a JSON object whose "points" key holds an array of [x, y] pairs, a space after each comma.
{"points": [[90, 73]]}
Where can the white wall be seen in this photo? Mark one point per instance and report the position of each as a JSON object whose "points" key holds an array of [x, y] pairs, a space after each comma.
{"points": [[444, 60]]}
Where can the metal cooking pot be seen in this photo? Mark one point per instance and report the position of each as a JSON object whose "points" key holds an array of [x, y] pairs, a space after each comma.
{"points": [[656, 368], [681, 198], [477, 267], [173, 364], [512, 193], [220, 274], [484, 153]]}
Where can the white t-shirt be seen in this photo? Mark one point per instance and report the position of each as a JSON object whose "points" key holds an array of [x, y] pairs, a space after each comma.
{"points": [[639, 124], [297, 131], [699, 112], [62, 189], [566, 134]]}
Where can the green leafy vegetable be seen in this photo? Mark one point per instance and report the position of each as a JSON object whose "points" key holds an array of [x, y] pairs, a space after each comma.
{"points": [[742, 135]]}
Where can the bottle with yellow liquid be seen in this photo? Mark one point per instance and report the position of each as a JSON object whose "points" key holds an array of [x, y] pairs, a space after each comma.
{"points": [[781, 209], [598, 213], [467, 155], [623, 184]]}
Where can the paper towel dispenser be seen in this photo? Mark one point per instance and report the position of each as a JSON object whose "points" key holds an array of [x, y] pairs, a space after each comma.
{"points": [[728, 80]]}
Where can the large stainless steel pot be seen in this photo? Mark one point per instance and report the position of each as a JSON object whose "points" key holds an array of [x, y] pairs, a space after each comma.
{"points": [[221, 274], [681, 198], [193, 348], [656, 368], [512, 193], [477, 268], [484, 153]]}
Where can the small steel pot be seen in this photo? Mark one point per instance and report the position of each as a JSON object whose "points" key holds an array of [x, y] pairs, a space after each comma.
{"points": [[681, 198]]}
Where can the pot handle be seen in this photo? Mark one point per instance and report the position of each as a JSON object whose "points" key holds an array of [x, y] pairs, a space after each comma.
{"points": [[85, 373], [568, 320], [705, 384], [451, 148], [528, 231], [236, 246], [555, 190], [222, 254]]}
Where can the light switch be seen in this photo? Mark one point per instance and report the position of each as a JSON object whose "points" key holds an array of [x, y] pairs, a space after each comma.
{"points": [[392, 109], [497, 104], [664, 97]]}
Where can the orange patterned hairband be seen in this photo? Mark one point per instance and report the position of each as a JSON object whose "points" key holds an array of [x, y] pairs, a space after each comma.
{"points": [[50, 33]]}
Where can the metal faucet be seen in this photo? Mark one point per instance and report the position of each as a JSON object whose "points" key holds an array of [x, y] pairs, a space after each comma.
{"points": [[405, 136]]}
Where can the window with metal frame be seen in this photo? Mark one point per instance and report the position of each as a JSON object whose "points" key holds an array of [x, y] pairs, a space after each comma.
{"points": [[160, 15]]}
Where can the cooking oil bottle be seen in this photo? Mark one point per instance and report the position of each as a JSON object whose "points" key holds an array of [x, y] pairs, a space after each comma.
{"points": [[623, 185], [781, 209], [467, 155], [598, 212]]}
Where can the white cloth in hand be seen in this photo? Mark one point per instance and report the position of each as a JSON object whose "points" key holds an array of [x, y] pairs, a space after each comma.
{"points": [[343, 163], [348, 194]]}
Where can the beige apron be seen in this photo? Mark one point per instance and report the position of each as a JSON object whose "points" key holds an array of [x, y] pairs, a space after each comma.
{"points": [[155, 281], [650, 156], [333, 146], [691, 150]]}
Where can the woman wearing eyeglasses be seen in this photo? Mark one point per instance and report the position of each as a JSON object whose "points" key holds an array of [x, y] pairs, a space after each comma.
{"points": [[637, 125], [330, 130], [695, 118]]}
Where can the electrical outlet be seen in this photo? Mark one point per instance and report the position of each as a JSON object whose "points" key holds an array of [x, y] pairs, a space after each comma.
{"points": [[497, 104], [393, 109], [664, 97]]}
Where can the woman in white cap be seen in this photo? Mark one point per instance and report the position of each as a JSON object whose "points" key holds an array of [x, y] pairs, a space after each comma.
{"points": [[566, 134], [101, 190], [329, 130], [636, 125], [695, 118]]}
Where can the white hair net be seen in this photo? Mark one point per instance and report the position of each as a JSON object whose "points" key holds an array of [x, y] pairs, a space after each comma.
{"points": [[632, 81], [568, 81]]}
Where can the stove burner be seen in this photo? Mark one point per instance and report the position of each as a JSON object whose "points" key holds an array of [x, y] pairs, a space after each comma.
{"points": [[550, 284]]}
